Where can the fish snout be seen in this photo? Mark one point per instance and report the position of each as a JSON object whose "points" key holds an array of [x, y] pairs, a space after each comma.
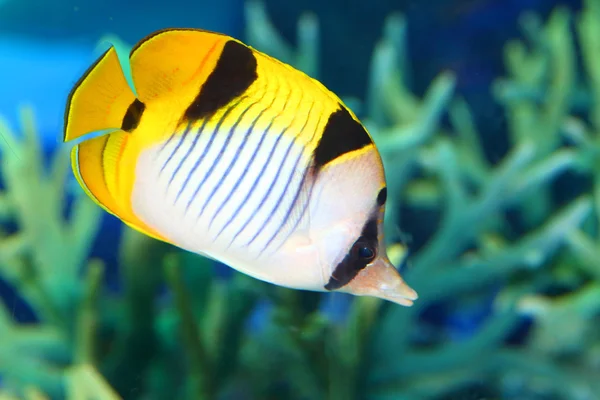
{"points": [[381, 279]]}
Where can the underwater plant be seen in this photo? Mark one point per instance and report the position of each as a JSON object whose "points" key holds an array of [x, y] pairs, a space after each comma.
{"points": [[501, 237]]}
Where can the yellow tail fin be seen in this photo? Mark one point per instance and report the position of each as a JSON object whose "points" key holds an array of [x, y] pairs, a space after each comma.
{"points": [[100, 100]]}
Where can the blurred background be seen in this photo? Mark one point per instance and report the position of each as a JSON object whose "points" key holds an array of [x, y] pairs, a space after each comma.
{"points": [[487, 116]]}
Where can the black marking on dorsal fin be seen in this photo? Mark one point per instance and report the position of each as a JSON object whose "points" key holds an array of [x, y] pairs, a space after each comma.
{"points": [[341, 135], [132, 117], [350, 266], [234, 73]]}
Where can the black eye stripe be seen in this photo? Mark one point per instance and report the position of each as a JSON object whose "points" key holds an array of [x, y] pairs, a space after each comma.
{"points": [[353, 262], [382, 196]]}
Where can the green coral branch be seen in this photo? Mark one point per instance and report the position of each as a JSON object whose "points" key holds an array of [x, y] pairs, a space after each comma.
{"points": [[469, 146], [408, 132], [586, 252], [588, 29], [551, 65], [85, 343], [439, 360], [200, 365], [423, 124], [213, 344], [51, 266], [532, 251], [29, 393], [389, 76], [261, 34], [85, 383]]}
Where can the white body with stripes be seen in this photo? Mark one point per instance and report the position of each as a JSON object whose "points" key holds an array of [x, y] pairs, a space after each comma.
{"points": [[238, 226]]}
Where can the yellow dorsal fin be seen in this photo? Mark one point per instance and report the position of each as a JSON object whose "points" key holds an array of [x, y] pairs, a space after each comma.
{"points": [[172, 64], [100, 99]]}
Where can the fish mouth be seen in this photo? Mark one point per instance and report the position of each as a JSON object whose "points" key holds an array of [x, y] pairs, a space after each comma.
{"points": [[382, 280], [400, 294]]}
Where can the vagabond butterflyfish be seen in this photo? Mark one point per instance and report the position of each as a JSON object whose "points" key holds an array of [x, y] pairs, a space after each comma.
{"points": [[224, 151]]}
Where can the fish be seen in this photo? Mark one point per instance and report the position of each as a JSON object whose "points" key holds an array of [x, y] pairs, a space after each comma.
{"points": [[224, 151]]}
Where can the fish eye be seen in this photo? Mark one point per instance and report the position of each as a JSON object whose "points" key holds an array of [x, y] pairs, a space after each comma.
{"points": [[364, 250]]}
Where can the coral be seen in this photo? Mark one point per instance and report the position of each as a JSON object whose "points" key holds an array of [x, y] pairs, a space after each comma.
{"points": [[475, 249], [499, 244], [42, 260]]}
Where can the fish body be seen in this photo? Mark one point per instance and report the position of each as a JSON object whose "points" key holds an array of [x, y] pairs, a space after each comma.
{"points": [[227, 152]]}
